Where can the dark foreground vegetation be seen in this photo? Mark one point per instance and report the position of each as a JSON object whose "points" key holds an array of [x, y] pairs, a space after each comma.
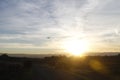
{"points": [[60, 68]]}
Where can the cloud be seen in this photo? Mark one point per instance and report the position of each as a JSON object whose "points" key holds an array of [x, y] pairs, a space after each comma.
{"points": [[32, 22]]}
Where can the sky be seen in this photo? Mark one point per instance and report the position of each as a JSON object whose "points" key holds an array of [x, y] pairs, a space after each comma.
{"points": [[42, 26]]}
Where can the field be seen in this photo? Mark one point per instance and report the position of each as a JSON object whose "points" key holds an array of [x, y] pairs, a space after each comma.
{"points": [[60, 68]]}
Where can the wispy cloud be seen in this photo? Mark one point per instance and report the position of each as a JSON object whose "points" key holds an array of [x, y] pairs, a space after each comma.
{"points": [[46, 23]]}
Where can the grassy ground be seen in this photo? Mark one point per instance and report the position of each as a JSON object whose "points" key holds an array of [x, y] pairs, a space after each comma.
{"points": [[60, 68]]}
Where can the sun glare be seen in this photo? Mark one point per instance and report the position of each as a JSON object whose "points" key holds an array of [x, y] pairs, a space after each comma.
{"points": [[76, 47]]}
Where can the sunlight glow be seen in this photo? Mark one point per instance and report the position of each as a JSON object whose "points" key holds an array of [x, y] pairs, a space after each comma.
{"points": [[76, 47]]}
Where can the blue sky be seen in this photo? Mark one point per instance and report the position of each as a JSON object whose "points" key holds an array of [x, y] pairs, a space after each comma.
{"points": [[46, 24]]}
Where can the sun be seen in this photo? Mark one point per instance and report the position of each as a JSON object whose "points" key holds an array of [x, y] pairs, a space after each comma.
{"points": [[76, 47]]}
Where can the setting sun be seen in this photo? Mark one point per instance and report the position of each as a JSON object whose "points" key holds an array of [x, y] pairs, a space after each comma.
{"points": [[76, 47]]}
